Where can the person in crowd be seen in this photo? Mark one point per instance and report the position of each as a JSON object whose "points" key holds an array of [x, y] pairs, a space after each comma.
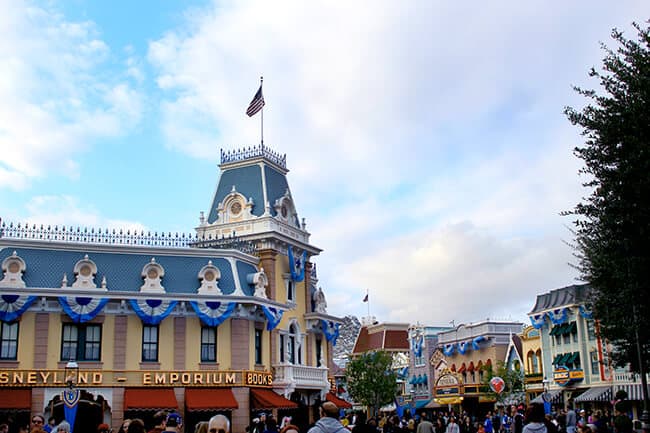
{"points": [[271, 425], [571, 420], [4, 428], [582, 418], [38, 421], [487, 424], [219, 424], [103, 428], [173, 422], [125, 426], [136, 426], [51, 423], [159, 419], [534, 419], [290, 428], [328, 422], [201, 427], [496, 422], [452, 427], [63, 427], [425, 425]]}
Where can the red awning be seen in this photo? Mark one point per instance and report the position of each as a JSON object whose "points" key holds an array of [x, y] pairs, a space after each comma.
{"points": [[339, 402], [470, 367], [462, 368], [268, 399], [453, 367], [210, 398], [16, 399], [149, 398]]}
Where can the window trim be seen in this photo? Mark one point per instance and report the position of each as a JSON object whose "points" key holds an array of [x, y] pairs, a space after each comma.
{"points": [[81, 342], [257, 339], [213, 352], [157, 343], [2, 340]]}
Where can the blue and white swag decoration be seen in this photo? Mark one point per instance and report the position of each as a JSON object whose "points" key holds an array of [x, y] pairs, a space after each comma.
{"points": [[297, 265], [13, 306], [81, 308], [416, 342], [213, 313], [152, 311], [273, 317], [462, 347], [331, 330], [557, 317]]}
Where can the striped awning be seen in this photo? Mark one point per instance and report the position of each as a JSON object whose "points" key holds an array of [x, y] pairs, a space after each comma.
{"points": [[553, 396], [597, 393], [634, 391]]}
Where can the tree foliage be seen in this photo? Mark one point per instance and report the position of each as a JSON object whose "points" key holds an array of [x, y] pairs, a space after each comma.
{"points": [[514, 380], [612, 225], [371, 380]]}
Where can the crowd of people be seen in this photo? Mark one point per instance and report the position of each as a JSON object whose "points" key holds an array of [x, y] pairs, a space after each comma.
{"points": [[514, 419]]}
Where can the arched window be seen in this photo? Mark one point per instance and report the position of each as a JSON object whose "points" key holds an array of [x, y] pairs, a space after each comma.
{"points": [[538, 358], [529, 361], [535, 365]]}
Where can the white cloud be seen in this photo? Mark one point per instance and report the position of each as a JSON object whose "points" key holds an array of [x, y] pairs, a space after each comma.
{"points": [[53, 101], [426, 140]]}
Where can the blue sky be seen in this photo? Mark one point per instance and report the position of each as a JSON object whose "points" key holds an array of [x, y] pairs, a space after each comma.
{"points": [[426, 141]]}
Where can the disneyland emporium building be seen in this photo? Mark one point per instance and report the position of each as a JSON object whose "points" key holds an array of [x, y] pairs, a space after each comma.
{"points": [[100, 326]]}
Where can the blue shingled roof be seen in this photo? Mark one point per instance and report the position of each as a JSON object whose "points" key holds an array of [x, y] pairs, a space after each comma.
{"points": [[276, 185], [247, 181], [45, 268]]}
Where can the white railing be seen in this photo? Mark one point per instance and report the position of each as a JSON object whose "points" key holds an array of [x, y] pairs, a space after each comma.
{"points": [[626, 377], [301, 375]]}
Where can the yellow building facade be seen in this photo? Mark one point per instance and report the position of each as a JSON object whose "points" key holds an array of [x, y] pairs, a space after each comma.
{"points": [[531, 346], [227, 320]]}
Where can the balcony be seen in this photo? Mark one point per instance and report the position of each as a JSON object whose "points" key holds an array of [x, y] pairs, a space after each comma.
{"points": [[293, 377]]}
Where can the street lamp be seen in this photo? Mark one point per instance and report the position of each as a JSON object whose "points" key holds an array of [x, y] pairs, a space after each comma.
{"points": [[71, 374]]}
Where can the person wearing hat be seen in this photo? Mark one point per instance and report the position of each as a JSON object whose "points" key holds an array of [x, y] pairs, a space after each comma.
{"points": [[173, 423], [328, 422]]}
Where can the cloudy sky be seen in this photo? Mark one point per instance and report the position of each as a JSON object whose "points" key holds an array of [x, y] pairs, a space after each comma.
{"points": [[426, 143]]}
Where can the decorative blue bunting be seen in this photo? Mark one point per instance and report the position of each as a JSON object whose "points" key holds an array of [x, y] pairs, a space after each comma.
{"points": [[273, 317], [71, 399], [297, 266], [331, 330], [448, 349], [213, 313], [558, 316], [537, 321], [152, 311], [13, 306], [403, 372], [476, 341], [462, 347], [585, 312], [417, 345], [81, 308]]}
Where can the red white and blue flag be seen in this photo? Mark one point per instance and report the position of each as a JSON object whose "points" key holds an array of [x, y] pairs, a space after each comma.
{"points": [[256, 104]]}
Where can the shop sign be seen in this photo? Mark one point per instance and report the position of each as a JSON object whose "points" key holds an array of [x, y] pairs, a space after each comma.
{"points": [[447, 391], [49, 378], [563, 376], [447, 380]]}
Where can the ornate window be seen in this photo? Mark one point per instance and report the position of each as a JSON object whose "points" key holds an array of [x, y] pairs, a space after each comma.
{"points": [[152, 273], [85, 271], [149, 343], [81, 342], [209, 276], [13, 268], [319, 352], [8, 340], [208, 344]]}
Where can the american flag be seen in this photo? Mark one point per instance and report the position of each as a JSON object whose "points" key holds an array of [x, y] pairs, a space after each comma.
{"points": [[256, 104]]}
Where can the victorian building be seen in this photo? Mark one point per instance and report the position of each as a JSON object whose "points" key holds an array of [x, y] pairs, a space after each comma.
{"points": [[531, 349], [575, 360], [465, 354], [227, 320]]}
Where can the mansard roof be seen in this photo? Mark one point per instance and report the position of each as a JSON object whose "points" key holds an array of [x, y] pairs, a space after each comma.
{"points": [[563, 297], [257, 173], [47, 262], [391, 337]]}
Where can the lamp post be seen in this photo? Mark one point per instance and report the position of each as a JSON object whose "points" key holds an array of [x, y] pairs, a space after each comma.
{"points": [[71, 374]]}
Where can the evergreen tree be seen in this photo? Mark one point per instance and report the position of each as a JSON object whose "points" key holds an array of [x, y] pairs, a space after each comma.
{"points": [[371, 380], [612, 227]]}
